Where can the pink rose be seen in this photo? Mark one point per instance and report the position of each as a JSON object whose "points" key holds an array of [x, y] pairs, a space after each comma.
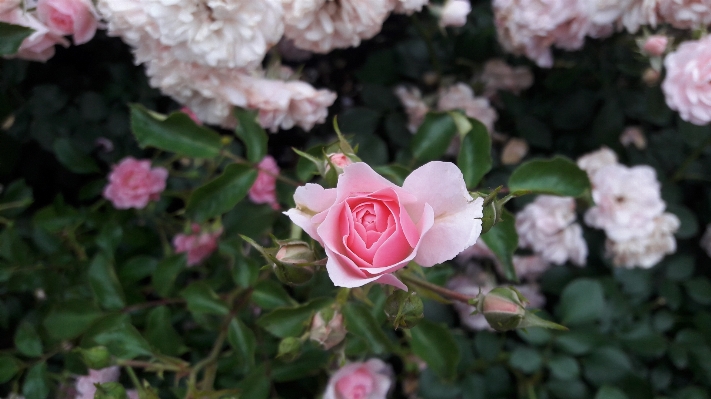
{"points": [[360, 380], [371, 228], [69, 17], [686, 85], [263, 191], [132, 184], [39, 46], [655, 45], [454, 13], [198, 245]]}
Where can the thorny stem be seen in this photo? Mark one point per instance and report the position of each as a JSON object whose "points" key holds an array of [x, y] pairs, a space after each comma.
{"points": [[679, 175], [447, 293], [243, 161], [149, 365]]}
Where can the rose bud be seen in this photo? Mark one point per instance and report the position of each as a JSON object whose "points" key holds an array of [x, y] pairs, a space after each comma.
{"points": [[339, 160], [504, 310], [96, 358], [327, 328], [404, 309], [292, 262]]}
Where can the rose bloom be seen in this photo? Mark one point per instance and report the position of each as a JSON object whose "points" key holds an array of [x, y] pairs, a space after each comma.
{"points": [[655, 45], [686, 84], [646, 251], [461, 96], [685, 14], [626, 201], [706, 240], [454, 13], [370, 227], [593, 161], [360, 380], [547, 225], [39, 46], [132, 184], [85, 384], [263, 191], [7, 5], [415, 108], [69, 17], [198, 245]]}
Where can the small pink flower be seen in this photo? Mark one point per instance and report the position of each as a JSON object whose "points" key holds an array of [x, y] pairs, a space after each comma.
{"points": [[263, 191], [371, 228], [39, 46], [189, 112], [132, 184], [340, 160], [360, 380], [85, 385], [655, 45], [69, 17], [454, 13], [686, 85], [198, 245]]}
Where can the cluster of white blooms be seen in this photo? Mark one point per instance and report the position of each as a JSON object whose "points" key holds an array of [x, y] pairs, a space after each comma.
{"points": [[547, 226], [206, 54], [629, 208], [686, 84], [532, 27], [459, 96]]}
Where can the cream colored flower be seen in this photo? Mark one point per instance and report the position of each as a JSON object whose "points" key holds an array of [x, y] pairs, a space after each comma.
{"points": [[646, 251], [461, 96], [415, 108]]}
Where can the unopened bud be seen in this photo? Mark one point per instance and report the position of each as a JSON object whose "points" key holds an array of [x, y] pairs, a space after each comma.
{"points": [[503, 308], [651, 76], [327, 328], [295, 252], [404, 309], [490, 217], [289, 348], [96, 358], [339, 160], [292, 263], [110, 390]]}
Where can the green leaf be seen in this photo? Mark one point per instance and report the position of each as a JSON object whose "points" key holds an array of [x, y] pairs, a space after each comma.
{"points": [[221, 194], [610, 392], [310, 362], [564, 367], [252, 134], [361, 323], [177, 133], [291, 321], [70, 319], [118, 335], [435, 344], [433, 136], [256, 385], [160, 332], [16, 197], [27, 341], [502, 239], [36, 385], [9, 366], [105, 284], [243, 341], [203, 300], [166, 272], [699, 289], [74, 159], [475, 154], [606, 365], [110, 390], [582, 301], [556, 176], [269, 294], [11, 37]]}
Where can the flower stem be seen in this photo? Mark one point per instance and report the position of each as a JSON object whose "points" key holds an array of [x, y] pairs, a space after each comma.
{"points": [[447, 293]]}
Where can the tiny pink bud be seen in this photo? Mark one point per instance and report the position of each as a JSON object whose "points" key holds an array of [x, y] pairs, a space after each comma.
{"points": [[340, 160], [503, 308], [655, 45], [328, 333]]}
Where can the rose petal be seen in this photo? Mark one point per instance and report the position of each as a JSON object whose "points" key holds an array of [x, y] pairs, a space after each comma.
{"points": [[361, 178], [311, 200], [390, 279]]}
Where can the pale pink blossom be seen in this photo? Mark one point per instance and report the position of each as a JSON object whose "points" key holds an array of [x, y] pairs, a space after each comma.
{"points": [[498, 75], [647, 250], [531, 27], [415, 108], [370, 227], [7, 5], [339, 160], [69, 17], [686, 84], [85, 384], [593, 161], [706, 240], [323, 25], [198, 245], [461, 96], [685, 14], [133, 183], [263, 191], [639, 13], [454, 13], [360, 380], [655, 45], [627, 201], [633, 135], [39, 46], [547, 226], [530, 267]]}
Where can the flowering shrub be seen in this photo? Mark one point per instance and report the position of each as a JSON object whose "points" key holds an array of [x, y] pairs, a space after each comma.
{"points": [[355, 199]]}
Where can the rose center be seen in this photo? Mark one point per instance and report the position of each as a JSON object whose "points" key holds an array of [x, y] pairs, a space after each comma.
{"points": [[62, 22]]}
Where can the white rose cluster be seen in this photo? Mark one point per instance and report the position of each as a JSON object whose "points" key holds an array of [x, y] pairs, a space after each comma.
{"points": [[629, 208]]}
